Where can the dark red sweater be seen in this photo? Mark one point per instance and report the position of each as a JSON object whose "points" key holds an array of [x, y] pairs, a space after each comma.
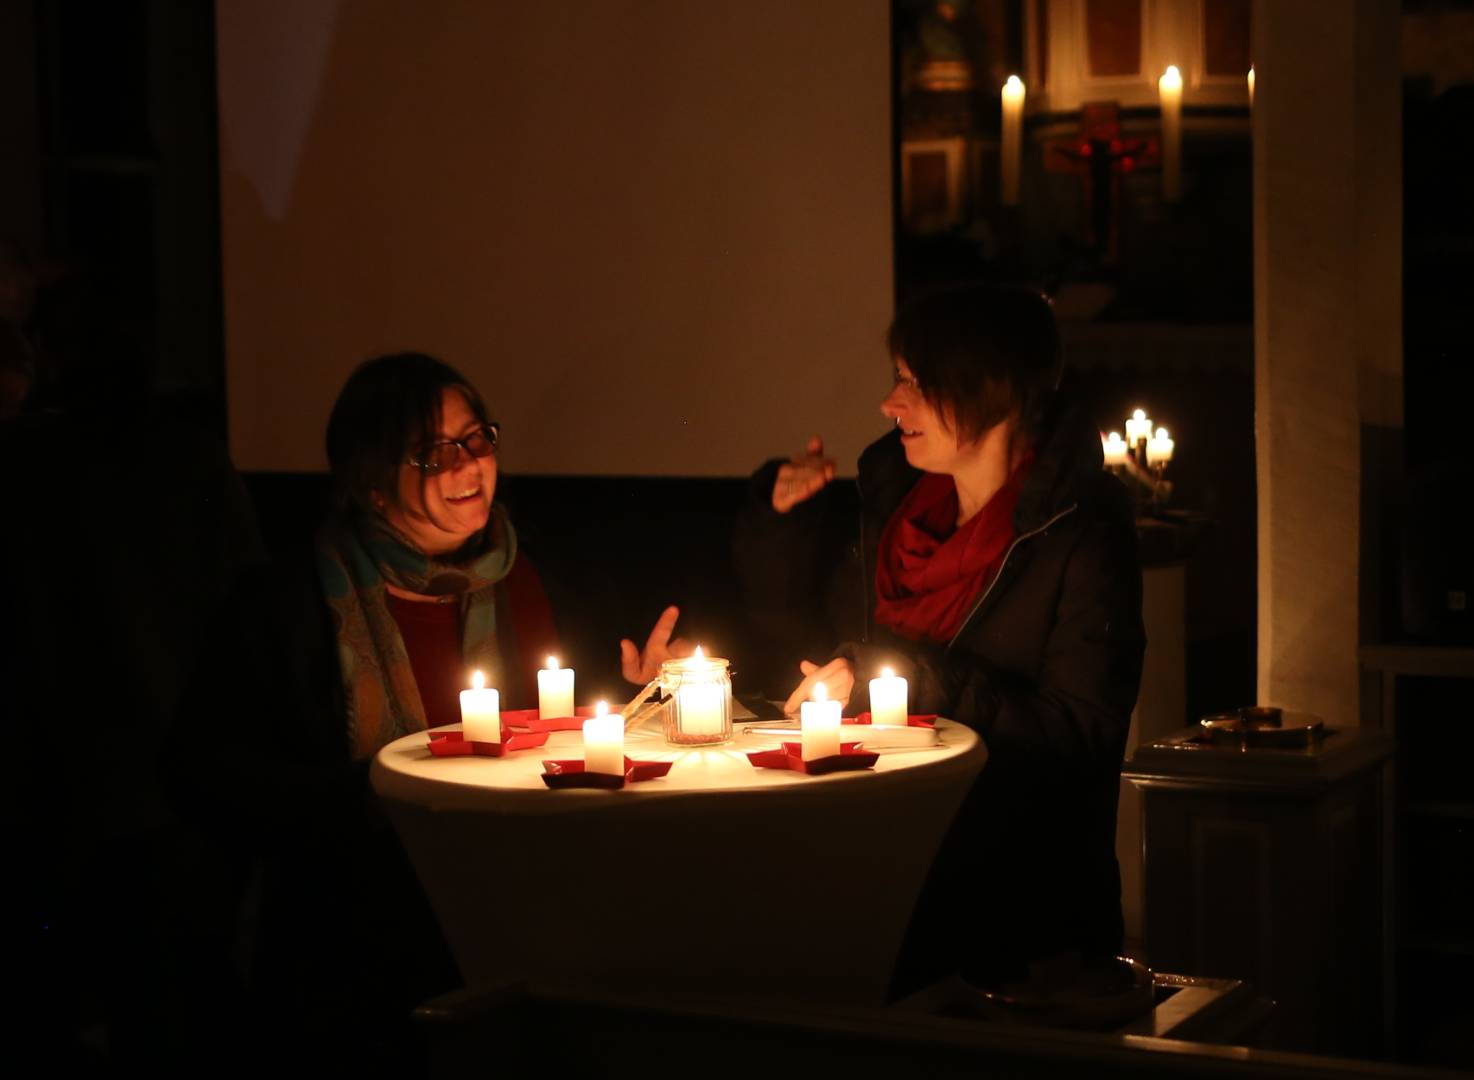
{"points": [[432, 638]]}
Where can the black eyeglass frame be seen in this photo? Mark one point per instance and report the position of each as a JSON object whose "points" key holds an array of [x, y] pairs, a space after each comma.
{"points": [[490, 432]]}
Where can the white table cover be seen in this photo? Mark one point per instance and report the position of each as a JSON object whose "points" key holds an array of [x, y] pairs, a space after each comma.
{"points": [[719, 877]]}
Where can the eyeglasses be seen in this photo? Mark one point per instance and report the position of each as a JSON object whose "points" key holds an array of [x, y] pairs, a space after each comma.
{"points": [[439, 456]]}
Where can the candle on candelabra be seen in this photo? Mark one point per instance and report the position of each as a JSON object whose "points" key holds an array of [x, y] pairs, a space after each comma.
{"points": [[481, 713], [1113, 449], [1159, 448], [554, 691], [1010, 154], [1169, 91], [1138, 431]]}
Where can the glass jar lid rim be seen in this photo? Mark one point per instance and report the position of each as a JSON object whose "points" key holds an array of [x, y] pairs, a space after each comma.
{"points": [[692, 663]]}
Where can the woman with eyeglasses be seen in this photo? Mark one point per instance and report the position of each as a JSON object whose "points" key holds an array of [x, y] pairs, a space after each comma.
{"points": [[415, 579], [995, 567], [420, 567]]}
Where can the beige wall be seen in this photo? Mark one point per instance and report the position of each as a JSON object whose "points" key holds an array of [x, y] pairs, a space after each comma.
{"points": [[656, 234]]}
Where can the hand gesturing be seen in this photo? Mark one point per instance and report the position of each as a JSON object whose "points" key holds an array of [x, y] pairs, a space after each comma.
{"points": [[641, 665], [838, 677], [801, 478]]}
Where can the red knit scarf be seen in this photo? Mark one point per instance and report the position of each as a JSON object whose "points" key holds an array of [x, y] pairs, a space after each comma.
{"points": [[930, 572]]}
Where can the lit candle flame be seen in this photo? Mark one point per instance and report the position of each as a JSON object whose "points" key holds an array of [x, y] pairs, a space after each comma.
{"points": [[1161, 433], [478, 681], [1139, 415], [1014, 83], [821, 692], [887, 673], [1172, 78], [552, 663], [698, 654], [601, 709]]}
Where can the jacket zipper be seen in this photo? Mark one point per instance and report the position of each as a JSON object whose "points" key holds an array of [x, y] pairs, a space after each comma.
{"points": [[1017, 540]]}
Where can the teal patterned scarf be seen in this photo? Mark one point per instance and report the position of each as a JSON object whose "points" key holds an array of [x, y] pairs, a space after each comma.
{"points": [[357, 557]]}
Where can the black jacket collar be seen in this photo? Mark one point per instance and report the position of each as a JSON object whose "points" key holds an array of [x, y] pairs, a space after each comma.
{"points": [[1066, 470]]}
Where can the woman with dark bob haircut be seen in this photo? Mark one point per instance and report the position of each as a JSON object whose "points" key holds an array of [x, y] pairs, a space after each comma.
{"points": [[997, 571], [366, 633]]}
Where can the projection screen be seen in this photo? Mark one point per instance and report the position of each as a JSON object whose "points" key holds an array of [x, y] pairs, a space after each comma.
{"points": [[656, 234]]}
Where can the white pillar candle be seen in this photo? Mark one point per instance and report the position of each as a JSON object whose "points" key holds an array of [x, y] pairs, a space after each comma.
{"points": [[1113, 448], [1010, 153], [481, 712], [818, 722], [702, 697], [888, 699], [1169, 92], [603, 742], [1159, 448], [554, 691]]}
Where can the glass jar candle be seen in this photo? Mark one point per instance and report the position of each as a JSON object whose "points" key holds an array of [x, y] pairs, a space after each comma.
{"points": [[699, 712]]}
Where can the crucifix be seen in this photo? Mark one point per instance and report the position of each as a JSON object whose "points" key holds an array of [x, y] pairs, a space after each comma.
{"points": [[1100, 155]]}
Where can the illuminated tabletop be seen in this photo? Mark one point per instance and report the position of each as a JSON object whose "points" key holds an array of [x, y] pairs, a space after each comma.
{"points": [[719, 876]]}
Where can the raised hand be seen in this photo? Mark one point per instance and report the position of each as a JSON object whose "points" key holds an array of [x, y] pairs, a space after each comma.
{"points": [[642, 665], [801, 478], [838, 677]]}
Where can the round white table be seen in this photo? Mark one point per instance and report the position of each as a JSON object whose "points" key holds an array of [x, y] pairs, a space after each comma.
{"points": [[719, 877]]}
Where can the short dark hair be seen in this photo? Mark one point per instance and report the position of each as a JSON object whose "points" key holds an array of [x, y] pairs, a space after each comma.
{"points": [[388, 409], [981, 353]]}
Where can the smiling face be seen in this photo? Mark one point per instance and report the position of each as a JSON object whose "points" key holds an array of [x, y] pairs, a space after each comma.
{"points": [[931, 441], [440, 512]]}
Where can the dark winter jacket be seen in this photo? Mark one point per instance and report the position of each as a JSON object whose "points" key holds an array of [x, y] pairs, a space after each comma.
{"points": [[1045, 668]]}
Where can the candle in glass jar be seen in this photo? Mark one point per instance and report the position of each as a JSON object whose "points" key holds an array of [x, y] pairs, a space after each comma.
{"points": [[1169, 90], [1159, 448], [1113, 448], [702, 697], [554, 691], [818, 722], [1011, 147], [603, 742], [888, 699], [481, 712]]}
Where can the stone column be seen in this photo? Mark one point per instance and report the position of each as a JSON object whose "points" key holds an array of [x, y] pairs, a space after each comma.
{"points": [[1327, 329]]}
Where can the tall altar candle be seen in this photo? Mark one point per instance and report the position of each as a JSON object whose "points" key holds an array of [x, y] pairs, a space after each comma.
{"points": [[888, 699], [554, 691], [481, 712], [818, 722], [1010, 151], [1169, 90], [603, 742]]}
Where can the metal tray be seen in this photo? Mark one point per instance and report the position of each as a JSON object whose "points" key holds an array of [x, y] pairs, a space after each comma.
{"points": [[1258, 726]]}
